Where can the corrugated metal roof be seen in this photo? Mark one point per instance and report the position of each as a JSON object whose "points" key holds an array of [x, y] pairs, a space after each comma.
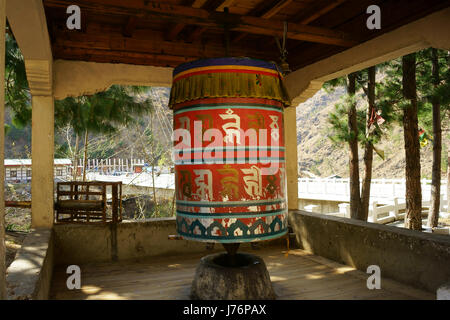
{"points": [[27, 162]]}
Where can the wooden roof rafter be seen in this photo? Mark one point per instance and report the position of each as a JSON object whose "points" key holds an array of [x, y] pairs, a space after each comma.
{"points": [[198, 31], [394, 14], [95, 46], [318, 10], [265, 13], [166, 33], [179, 26], [204, 18]]}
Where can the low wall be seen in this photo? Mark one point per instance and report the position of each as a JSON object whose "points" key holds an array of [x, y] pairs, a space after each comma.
{"points": [[415, 258], [324, 206], [129, 189], [29, 276], [77, 244]]}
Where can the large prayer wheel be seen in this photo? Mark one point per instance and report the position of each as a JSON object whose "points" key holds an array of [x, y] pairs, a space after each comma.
{"points": [[229, 150]]}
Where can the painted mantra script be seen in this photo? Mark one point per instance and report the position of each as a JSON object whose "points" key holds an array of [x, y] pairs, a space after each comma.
{"points": [[232, 143], [230, 170], [229, 150]]}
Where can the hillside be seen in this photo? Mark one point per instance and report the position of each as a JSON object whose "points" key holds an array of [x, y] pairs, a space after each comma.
{"points": [[318, 155]]}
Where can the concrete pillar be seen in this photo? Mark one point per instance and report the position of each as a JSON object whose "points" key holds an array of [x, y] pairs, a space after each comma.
{"points": [[42, 152], [290, 136], [2, 161]]}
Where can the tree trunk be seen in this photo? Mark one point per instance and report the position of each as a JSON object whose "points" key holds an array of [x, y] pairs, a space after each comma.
{"points": [[448, 182], [368, 150], [355, 200], [413, 218], [85, 154], [433, 215], [75, 159]]}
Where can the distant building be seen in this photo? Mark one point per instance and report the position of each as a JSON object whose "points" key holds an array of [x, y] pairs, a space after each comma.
{"points": [[19, 170]]}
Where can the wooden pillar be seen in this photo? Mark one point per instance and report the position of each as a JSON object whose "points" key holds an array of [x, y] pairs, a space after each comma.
{"points": [[115, 202], [290, 136], [42, 149], [2, 160]]}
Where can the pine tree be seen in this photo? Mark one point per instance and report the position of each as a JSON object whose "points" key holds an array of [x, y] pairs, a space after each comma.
{"points": [[413, 219], [368, 146], [17, 93], [407, 95], [355, 199], [366, 131], [101, 113], [433, 66]]}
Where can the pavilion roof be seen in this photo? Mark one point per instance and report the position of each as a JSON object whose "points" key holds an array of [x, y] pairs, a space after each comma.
{"points": [[167, 33]]}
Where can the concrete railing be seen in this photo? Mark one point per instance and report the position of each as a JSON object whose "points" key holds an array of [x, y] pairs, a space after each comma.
{"points": [[386, 213], [379, 188]]}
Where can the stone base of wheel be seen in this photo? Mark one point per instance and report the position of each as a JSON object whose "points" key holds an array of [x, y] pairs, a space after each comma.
{"points": [[246, 279]]}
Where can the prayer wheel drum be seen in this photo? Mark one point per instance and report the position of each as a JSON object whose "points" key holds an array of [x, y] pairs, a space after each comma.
{"points": [[229, 150]]}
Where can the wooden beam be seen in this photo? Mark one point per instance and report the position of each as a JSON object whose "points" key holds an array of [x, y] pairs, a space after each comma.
{"points": [[118, 56], [195, 35], [295, 31], [276, 8], [214, 20], [303, 83], [396, 13], [130, 26], [225, 4], [311, 16], [178, 27], [174, 31], [239, 37], [199, 3], [122, 58], [154, 45], [268, 13]]}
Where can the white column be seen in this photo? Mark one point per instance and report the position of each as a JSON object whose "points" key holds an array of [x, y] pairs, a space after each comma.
{"points": [[42, 149], [291, 160]]}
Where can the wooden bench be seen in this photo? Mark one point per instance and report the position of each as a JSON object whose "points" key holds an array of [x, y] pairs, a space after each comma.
{"points": [[86, 202]]}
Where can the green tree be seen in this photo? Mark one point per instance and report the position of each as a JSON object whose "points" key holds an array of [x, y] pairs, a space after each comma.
{"points": [[17, 93], [353, 126], [431, 104], [347, 131], [413, 219], [433, 68], [368, 143], [398, 93], [100, 113]]}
